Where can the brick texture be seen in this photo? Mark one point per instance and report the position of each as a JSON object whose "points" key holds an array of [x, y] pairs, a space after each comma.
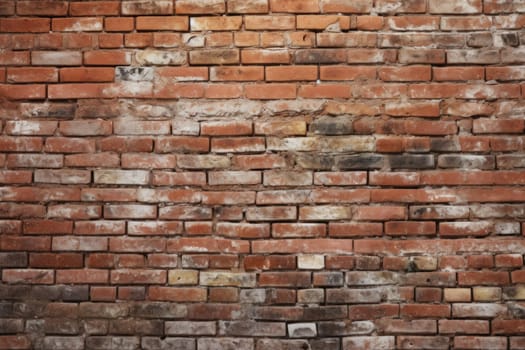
{"points": [[262, 174]]}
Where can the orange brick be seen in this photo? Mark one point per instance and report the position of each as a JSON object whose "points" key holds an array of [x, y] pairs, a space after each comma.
{"points": [[270, 91]]}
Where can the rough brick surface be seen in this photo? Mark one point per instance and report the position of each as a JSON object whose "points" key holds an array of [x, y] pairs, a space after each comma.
{"points": [[262, 174]]}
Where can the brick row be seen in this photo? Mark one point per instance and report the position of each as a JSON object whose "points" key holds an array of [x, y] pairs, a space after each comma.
{"points": [[74, 8], [303, 73]]}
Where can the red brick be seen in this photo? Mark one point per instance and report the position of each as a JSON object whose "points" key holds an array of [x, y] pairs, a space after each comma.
{"points": [[99, 227], [480, 228], [380, 213], [373, 91], [241, 73], [15, 176], [200, 7], [296, 73], [266, 161], [425, 310], [15, 342], [324, 91], [390, 145], [35, 160], [16, 243], [10, 226], [480, 261], [265, 56], [180, 90], [160, 39], [369, 22], [183, 73], [340, 178], [509, 260], [229, 23], [16, 58], [78, 91], [480, 342], [175, 23], [298, 230], [226, 128], [118, 24], [32, 75], [463, 327], [294, 6], [75, 40], [28, 276], [147, 7], [240, 6], [430, 127], [94, 8], [490, 278], [7, 8], [78, 75], [23, 92], [504, 126], [178, 294], [82, 276], [29, 128], [355, 229], [429, 56], [214, 245], [24, 25], [347, 73], [234, 178], [214, 311], [466, 23], [504, 73], [408, 228], [147, 161], [455, 7], [106, 58], [269, 22], [270, 91], [385, 6], [412, 73], [214, 56], [103, 293], [48, 260], [138, 276], [41, 8], [105, 160], [222, 91], [83, 24], [285, 279], [318, 245], [323, 22], [125, 127], [228, 197], [414, 23], [272, 39]]}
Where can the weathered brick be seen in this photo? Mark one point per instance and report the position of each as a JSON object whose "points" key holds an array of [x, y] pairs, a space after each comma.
{"points": [[121, 176], [369, 342], [324, 56], [455, 7], [232, 190], [294, 6]]}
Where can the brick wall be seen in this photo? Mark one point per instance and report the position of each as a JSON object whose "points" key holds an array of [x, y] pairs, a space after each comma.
{"points": [[262, 174]]}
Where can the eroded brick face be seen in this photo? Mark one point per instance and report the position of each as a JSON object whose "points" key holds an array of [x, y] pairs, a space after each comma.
{"points": [[262, 174]]}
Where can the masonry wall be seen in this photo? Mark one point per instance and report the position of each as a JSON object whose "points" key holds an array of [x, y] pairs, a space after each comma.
{"points": [[262, 174]]}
